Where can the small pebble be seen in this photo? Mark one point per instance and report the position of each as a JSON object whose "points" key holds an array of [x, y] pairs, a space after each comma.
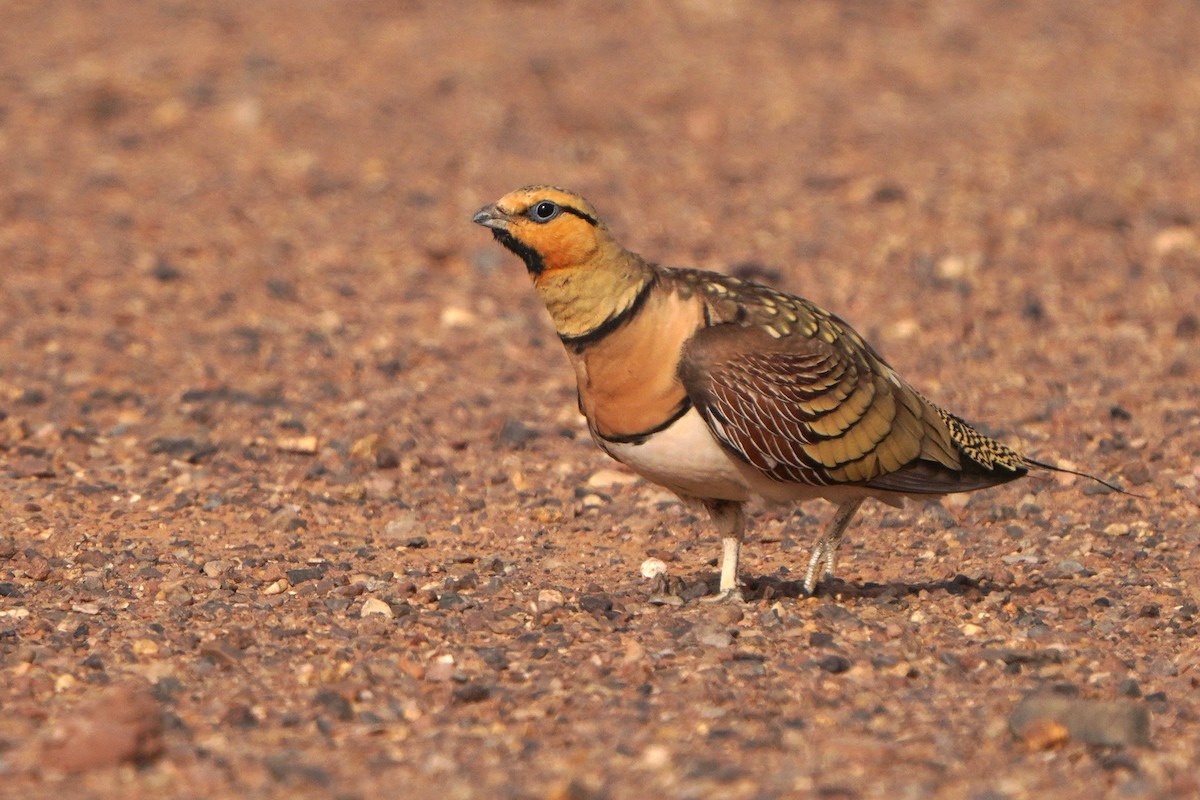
{"points": [[441, 669], [300, 445], [610, 478], [718, 639], [549, 599], [653, 567], [405, 523], [145, 647], [373, 605], [455, 317], [277, 587]]}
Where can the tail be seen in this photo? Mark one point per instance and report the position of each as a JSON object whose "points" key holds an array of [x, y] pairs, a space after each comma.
{"points": [[1043, 465]]}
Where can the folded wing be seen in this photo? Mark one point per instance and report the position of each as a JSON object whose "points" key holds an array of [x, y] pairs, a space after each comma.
{"points": [[817, 406]]}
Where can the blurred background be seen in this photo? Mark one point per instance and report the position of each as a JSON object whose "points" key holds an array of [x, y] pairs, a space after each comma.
{"points": [[159, 158], [856, 151]]}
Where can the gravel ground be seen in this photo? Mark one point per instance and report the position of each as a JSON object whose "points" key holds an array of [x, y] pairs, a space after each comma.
{"points": [[295, 498]]}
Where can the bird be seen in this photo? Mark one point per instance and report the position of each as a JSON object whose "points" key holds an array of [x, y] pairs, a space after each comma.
{"points": [[725, 390]]}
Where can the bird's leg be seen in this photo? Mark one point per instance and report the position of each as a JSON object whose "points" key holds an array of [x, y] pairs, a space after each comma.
{"points": [[731, 524], [826, 549]]}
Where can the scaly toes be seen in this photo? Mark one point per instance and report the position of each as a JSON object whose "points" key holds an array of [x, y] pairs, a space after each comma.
{"points": [[727, 596]]}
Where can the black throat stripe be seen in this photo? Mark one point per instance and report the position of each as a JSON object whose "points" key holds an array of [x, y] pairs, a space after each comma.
{"points": [[532, 258], [584, 340], [685, 405]]}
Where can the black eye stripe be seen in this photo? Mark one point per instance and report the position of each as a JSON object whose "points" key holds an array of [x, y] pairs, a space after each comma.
{"points": [[588, 218]]}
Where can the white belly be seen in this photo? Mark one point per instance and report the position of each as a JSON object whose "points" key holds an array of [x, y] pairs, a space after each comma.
{"points": [[686, 459]]}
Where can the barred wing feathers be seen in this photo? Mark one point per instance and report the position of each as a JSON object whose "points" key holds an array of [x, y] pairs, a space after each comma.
{"points": [[815, 405]]}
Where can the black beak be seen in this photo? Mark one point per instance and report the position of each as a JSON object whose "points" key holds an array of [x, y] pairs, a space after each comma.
{"points": [[491, 217]]}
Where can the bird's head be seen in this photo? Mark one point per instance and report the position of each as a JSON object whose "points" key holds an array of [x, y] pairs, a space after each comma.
{"points": [[551, 229]]}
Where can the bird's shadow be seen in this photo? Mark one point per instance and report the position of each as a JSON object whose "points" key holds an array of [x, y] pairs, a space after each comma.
{"points": [[765, 588], [768, 587]]}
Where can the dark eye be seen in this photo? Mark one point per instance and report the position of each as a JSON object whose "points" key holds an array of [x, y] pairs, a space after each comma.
{"points": [[544, 211]]}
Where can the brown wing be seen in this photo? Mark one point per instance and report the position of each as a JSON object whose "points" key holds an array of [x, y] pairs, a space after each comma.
{"points": [[824, 409]]}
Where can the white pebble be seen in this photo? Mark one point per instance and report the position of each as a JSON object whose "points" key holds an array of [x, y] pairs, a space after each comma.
{"points": [[653, 567], [373, 605]]}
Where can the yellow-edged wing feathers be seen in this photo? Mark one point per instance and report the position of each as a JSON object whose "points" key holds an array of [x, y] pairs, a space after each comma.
{"points": [[796, 393]]}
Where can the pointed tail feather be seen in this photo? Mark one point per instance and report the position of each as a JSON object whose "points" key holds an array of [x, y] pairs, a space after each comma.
{"points": [[1043, 465]]}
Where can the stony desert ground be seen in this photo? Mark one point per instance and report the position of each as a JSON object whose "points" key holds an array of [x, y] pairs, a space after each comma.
{"points": [[294, 496]]}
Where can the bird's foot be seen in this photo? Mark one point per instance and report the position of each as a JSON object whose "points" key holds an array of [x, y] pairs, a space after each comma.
{"points": [[814, 587], [822, 555], [733, 595]]}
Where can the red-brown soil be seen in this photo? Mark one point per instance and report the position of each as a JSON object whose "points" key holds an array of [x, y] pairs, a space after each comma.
{"points": [[259, 373]]}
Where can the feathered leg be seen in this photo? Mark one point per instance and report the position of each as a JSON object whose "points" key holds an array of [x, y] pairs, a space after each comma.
{"points": [[731, 525]]}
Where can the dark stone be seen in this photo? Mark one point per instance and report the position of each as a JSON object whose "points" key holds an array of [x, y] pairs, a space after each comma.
{"points": [[516, 434], [1031, 657], [387, 458], [271, 399], [32, 397], [889, 193], [335, 704], [281, 289], [165, 689], [1188, 327], [494, 657], [820, 639], [391, 367], [834, 664], [1119, 760], [298, 576], [239, 716], [182, 448], [449, 601], [164, 271], [1033, 309], [287, 766], [596, 603], [835, 613], [472, 692]]}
